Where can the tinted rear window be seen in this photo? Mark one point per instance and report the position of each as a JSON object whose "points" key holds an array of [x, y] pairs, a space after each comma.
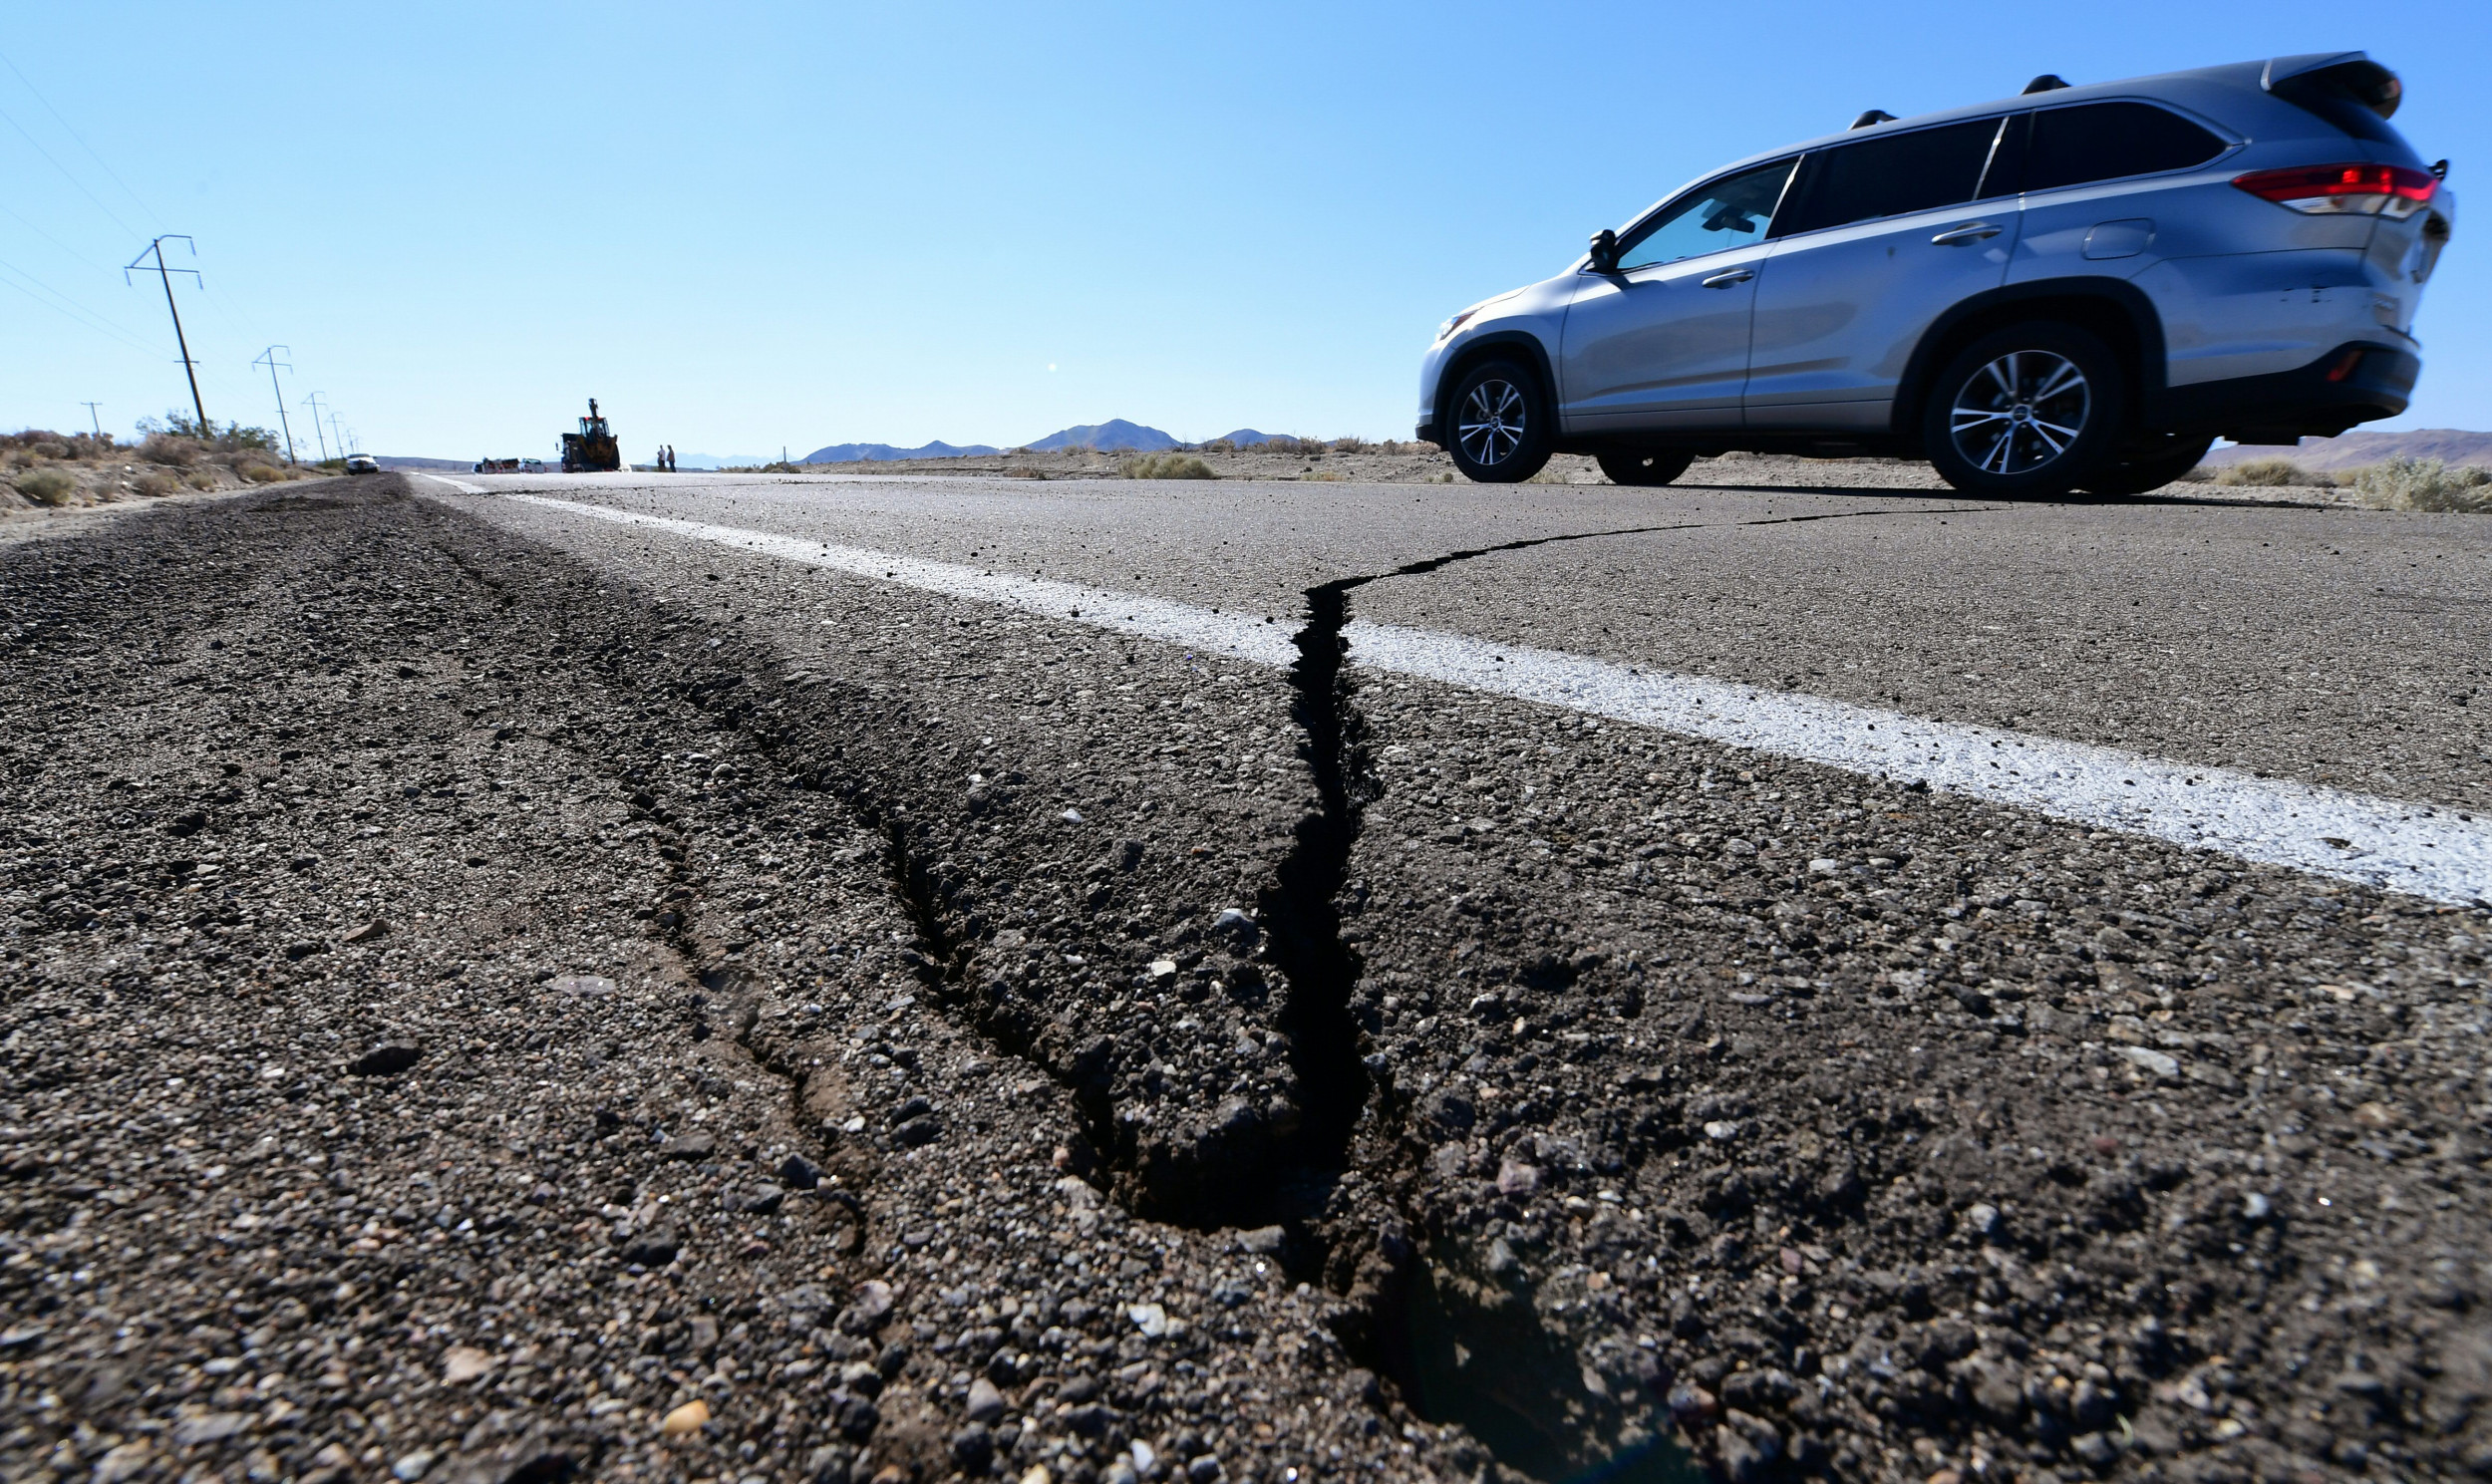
{"points": [[1918, 171], [2109, 141], [2350, 97]]}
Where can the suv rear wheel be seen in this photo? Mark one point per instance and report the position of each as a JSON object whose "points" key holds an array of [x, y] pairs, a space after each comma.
{"points": [[1656, 467], [1499, 424], [2031, 411]]}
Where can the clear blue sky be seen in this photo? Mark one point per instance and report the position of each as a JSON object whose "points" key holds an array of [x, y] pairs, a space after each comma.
{"points": [[747, 226]]}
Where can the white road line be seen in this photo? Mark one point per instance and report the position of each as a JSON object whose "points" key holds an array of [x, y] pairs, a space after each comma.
{"points": [[1239, 636], [2429, 850], [458, 484]]}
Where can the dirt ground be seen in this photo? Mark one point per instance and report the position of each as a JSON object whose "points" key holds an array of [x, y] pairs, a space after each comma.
{"points": [[86, 472]]}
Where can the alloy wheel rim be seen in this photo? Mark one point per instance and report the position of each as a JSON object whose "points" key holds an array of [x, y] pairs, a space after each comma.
{"points": [[2021, 411], [1491, 424]]}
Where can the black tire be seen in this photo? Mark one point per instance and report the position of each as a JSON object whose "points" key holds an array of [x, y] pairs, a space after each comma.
{"points": [[1657, 466], [1497, 421], [2029, 412], [2151, 471]]}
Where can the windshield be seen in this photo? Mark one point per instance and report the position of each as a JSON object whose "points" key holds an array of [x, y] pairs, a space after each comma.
{"points": [[1730, 212]]}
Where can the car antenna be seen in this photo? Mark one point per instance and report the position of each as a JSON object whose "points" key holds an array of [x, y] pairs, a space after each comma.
{"points": [[1874, 116], [2050, 81]]}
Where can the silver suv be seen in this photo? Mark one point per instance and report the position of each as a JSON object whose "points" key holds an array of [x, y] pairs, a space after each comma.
{"points": [[2080, 288]]}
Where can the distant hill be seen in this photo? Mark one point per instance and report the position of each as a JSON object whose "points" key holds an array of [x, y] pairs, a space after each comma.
{"points": [[1116, 433], [884, 452], [2453, 446]]}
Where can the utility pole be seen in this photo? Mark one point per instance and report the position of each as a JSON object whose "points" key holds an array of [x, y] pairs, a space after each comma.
{"points": [[313, 402], [91, 417], [339, 433], [268, 358], [166, 275]]}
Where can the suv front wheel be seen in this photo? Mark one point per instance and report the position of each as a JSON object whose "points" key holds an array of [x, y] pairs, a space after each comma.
{"points": [[1500, 426], [2031, 411]]}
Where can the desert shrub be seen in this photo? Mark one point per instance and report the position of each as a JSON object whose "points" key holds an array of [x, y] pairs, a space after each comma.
{"points": [[232, 437], [46, 486], [2199, 476], [2268, 473], [153, 483], [1351, 446], [1220, 445], [2404, 483], [172, 448], [1167, 467]]}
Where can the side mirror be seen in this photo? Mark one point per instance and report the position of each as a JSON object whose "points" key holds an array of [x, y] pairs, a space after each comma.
{"points": [[1605, 251]]}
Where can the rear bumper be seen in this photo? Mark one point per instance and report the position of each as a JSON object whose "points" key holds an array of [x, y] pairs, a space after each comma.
{"points": [[1427, 434], [2357, 382]]}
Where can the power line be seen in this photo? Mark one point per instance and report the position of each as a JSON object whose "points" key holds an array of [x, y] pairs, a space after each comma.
{"points": [[75, 310], [188, 366], [48, 237], [74, 135], [66, 176], [268, 358]]}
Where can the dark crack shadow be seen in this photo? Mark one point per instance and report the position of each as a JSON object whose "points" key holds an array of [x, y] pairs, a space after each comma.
{"points": [[1458, 1349]]}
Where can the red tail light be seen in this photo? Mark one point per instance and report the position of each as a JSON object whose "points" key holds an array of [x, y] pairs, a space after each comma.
{"points": [[2354, 189]]}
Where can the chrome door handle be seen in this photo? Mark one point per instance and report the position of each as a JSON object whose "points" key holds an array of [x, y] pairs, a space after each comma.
{"points": [[1977, 232], [1726, 280]]}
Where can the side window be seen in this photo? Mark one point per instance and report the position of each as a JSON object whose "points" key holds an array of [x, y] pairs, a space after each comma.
{"points": [[1918, 171], [1727, 213], [2110, 141]]}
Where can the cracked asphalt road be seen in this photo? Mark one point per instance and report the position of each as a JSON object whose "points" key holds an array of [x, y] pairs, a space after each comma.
{"points": [[483, 980]]}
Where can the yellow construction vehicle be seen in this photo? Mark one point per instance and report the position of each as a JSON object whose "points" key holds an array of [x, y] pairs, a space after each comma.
{"points": [[592, 449]]}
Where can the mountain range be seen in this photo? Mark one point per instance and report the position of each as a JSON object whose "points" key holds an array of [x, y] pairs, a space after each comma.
{"points": [[2452, 445], [1114, 436], [1115, 433], [884, 452]]}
